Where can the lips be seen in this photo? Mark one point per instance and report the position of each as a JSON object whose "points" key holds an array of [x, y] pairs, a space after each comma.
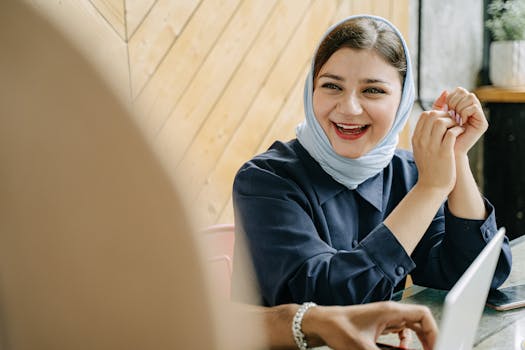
{"points": [[350, 131]]}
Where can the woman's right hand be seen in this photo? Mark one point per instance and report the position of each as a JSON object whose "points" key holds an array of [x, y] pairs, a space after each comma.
{"points": [[433, 146]]}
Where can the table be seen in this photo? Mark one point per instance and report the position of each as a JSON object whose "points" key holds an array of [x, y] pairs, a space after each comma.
{"points": [[497, 329]]}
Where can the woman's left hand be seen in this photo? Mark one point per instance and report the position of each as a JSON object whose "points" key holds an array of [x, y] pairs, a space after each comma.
{"points": [[466, 106]]}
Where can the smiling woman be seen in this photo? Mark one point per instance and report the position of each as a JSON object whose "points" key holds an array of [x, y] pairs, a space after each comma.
{"points": [[346, 216]]}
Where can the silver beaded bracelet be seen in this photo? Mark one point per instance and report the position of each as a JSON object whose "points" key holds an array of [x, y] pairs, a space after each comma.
{"points": [[298, 334]]}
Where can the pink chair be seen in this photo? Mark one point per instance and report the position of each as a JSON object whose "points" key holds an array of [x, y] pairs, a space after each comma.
{"points": [[219, 241]]}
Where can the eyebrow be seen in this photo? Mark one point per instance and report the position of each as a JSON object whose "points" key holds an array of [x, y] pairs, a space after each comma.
{"points": [[331, 76], [365, 81]]}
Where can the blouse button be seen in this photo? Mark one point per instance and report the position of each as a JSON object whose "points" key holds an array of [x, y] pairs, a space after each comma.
{"points": [[400, 270]]}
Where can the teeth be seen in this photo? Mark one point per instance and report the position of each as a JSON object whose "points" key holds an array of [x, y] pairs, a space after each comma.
{"points": [[350, 127]]}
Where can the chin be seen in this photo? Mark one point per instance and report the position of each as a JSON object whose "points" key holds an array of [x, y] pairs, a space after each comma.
{"points": [[350, 155], [351, 151]]}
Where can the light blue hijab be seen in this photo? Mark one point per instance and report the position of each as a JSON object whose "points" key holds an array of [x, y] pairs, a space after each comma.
{"points": [[352, 172]]}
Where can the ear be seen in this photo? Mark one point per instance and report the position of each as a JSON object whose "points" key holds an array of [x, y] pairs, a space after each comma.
{"points": [[440, 102]]}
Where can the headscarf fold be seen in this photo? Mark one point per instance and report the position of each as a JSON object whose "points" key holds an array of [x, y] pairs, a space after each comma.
{"points": [[347, 171]]}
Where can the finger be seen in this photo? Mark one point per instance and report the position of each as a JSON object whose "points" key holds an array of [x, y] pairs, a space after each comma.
{"points": [[418, 135], [420, 319], [474, 116], [449, 140], [441, 102], [394, 328], [404, 337], [456, 117], [419, 124], [427, 332], [439, 129], [465, 101], [455, 96], [435, 119]]}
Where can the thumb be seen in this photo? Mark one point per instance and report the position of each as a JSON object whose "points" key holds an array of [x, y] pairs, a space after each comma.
{"points": [[440, 102]]}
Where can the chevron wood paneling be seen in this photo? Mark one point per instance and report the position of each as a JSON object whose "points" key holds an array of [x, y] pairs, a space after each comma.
{"points": [[231, 111], [136, 12], [213, 82], [152, 39], [113, 12]]}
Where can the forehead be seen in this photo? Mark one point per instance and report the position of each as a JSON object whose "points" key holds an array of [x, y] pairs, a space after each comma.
{"points": [[360, 63], [347, 59]]}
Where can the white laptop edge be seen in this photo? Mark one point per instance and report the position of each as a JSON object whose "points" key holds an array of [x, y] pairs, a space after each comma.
{"points": [[465, 302]]}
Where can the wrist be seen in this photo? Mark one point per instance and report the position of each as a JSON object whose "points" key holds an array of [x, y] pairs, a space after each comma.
{"points": [[461, 160], [438, 194], [463, 171], [303, 340], [312, 326]]}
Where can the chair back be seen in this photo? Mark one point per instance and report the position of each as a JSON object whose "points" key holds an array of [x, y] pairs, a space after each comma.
{"points": [[218, 244]]}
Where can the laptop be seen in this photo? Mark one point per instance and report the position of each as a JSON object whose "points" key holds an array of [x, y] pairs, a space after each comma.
{"points": [[465, 302]]}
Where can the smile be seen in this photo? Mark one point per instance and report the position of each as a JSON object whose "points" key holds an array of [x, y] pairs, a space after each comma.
{"points": [[350, 131]]}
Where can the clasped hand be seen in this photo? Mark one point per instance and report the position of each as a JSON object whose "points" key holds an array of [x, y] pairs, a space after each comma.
{"points": [[444, 134]]}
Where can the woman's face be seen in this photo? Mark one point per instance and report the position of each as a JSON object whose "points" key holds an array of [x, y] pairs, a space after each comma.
{"points": [[355, 99]]}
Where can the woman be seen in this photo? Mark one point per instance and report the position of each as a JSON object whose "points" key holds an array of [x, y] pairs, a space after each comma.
{"points": [[338, 215]]}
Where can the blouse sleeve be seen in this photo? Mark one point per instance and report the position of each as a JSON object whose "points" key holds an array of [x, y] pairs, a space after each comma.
{"points": [[292, 261], [442, 258]]}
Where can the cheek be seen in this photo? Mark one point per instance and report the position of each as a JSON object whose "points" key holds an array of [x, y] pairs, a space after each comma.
{"points": [[385, 114], [320, 106]]}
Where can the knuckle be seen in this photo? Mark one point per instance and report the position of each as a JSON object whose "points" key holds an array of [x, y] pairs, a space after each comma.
{"points": [[425, 115], [426, 310], [433, 114], [417, 142], [390, 306], [441, 123]]}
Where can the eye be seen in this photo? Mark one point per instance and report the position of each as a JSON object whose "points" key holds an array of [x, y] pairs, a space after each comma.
{"points": [[331, 86], [374, 90]]}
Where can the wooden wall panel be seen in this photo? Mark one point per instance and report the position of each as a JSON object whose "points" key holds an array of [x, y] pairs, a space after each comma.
{"points": [[113, 12], [213, 82], [194, 106], [209, 143], [156, 34], [162, 92], [136, 11]]}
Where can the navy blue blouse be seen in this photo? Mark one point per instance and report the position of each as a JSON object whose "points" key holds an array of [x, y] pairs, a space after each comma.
{"points": [[313, 239]]}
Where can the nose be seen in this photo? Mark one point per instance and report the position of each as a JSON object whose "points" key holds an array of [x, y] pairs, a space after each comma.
{"points": [[350, 104]]}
